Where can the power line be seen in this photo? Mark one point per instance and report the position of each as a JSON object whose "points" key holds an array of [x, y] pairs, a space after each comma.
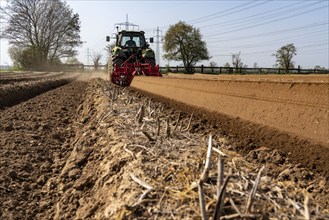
{"points": [[296, 38], [271, 21], [268, 14], [222, 13], [277, 32], [315, 52], [227, 12], [301, 51], [299, 46], [268, 22]]}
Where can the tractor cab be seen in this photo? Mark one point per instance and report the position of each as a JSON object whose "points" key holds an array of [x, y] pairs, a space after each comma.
{"points": [[131, 39]]}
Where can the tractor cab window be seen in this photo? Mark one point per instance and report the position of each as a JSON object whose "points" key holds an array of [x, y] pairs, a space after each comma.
{"points": [[132, 41]]}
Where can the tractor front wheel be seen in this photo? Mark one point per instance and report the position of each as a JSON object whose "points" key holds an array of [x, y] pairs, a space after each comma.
{"points": [[117, 61]]}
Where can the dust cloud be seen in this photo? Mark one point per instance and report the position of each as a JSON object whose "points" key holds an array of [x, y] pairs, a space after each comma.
{"points": [[87, 76]]}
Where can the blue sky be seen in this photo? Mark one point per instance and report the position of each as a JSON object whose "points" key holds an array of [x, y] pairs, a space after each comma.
{"points": [[255, 28]]}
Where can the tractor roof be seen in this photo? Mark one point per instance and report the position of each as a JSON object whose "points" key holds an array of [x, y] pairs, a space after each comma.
{"points": [[131, 32]]}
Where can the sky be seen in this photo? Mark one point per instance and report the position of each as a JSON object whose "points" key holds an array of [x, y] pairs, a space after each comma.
{"points": [[256, 29]]}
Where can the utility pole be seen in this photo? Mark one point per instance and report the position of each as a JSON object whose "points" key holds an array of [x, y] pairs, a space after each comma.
{"points": [[157, 49], [126, 24]]}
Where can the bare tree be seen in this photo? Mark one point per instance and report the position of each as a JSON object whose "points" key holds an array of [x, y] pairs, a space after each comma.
{"points": [[318, 67], [213, 64], [236, 60], [284, 57], [47, 29], [96, 58]]}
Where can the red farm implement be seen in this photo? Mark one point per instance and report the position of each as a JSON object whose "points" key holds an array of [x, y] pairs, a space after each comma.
{"points": [[131, 56]]}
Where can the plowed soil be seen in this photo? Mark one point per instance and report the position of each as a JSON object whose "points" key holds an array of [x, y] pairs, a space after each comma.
{"points": [[92, 150], [276, 111], [295, 104]]}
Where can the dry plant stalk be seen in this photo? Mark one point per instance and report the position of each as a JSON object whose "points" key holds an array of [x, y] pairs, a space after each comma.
{"points": [[115, 95], [149, 109], [103, 118], [253, 191], [234, 206], [178, 120], [128, 151], [143, 184], [307, 214], [167, 128], [129, 100], [189, 123], [158, 126], [219, 152], [205, 174], [220, 199], [143, 147], [202, 201], [220, 176], [140, 114], [148, 136], [238, 216]]}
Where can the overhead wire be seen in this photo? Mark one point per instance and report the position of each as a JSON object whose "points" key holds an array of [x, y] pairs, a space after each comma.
{"points": [[247, 19], [221, 13], [322, 24], [296, 38], [301, 44], [216, 15], [267, 22]]}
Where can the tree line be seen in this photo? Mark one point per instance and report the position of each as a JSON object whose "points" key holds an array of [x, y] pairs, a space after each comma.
{"points": [[183, 42]]}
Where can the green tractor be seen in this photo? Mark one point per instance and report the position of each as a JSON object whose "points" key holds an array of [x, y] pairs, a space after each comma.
{"points": [[131, 56]]}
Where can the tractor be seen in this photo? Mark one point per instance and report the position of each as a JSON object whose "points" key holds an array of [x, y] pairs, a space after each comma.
{"points": [[131, 56]]}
